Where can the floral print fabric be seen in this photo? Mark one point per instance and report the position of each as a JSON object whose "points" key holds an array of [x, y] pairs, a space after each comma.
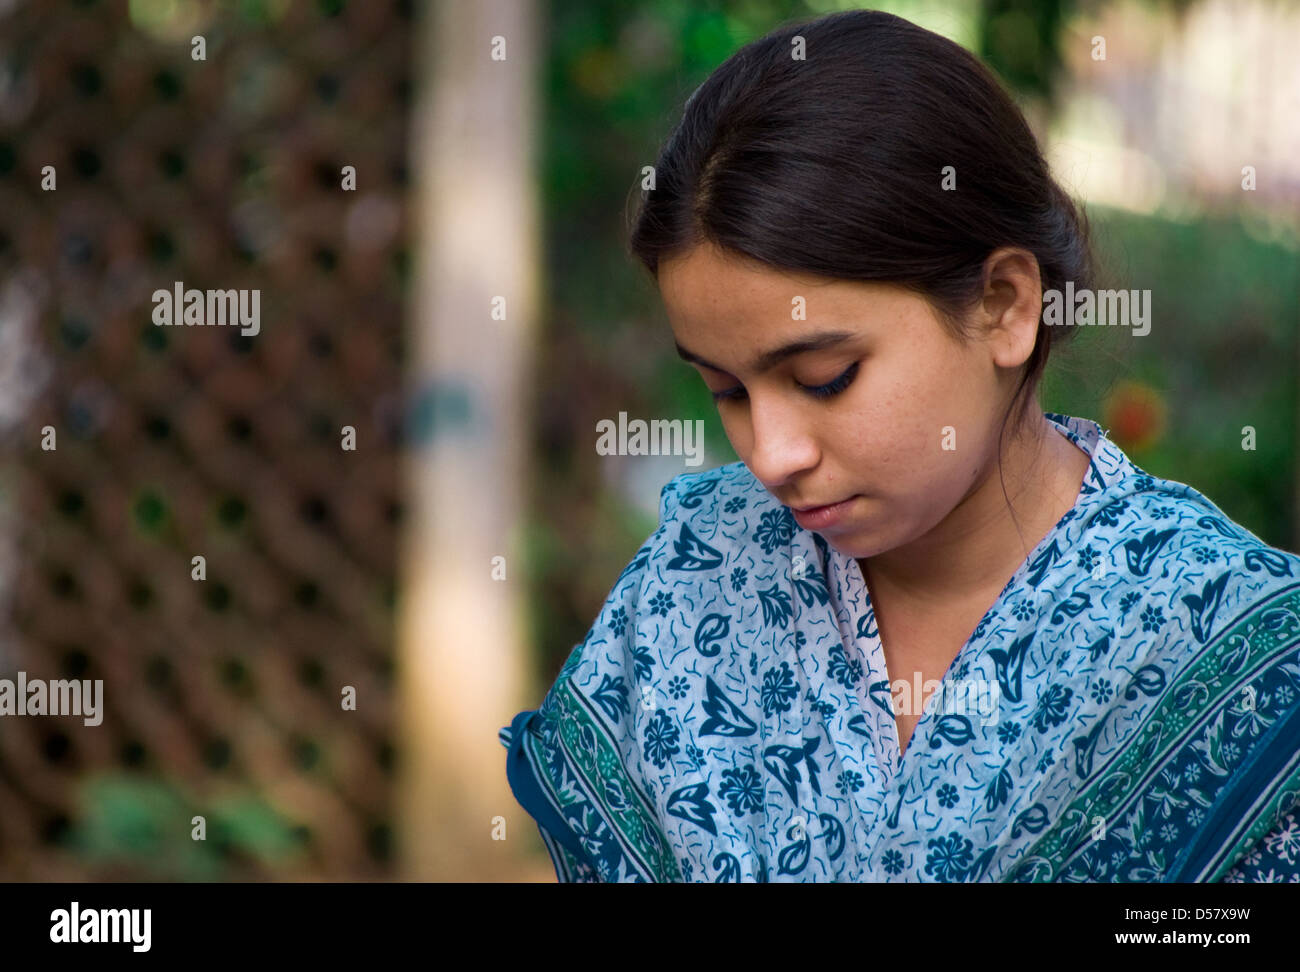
{"points": [[728, 716]]}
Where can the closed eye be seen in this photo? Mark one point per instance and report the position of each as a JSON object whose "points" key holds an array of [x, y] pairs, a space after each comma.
{"points": [[817, 391]]}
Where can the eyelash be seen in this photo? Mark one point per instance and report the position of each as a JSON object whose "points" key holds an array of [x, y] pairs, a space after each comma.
{"points": [[820, 391]]}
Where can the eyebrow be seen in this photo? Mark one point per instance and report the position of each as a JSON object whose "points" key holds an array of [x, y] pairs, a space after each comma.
{"points": [[770, 359]]}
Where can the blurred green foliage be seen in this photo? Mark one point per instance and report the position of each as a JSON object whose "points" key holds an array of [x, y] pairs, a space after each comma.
{"points": [[1222, 353], [1021, 40], [139, 823]]}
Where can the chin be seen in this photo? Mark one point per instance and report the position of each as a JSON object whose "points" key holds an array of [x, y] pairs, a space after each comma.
{"points": [[853, 544]]}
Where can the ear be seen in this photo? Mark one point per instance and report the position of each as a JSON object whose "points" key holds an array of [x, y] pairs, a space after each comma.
{"points": [[1012, 305]]}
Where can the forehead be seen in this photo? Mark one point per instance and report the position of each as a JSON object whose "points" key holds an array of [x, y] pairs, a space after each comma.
{"points": [[708, 279], [706, 286]]}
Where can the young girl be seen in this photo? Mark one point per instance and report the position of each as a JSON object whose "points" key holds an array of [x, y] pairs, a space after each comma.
{"points": [[923, 630]]}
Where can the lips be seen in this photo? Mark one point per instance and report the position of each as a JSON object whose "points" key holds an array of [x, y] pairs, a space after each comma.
{"points": [[819, 506], [825, 517]]}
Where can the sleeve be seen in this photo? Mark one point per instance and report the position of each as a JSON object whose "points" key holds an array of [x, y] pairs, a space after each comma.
{"points": [[567, 761], [1274, 859]]}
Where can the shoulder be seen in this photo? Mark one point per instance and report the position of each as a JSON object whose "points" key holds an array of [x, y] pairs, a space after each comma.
{"points": [[1170, 522], [714, 529], [725, 489], [726, 509], [718, 530], [1162, 552]]}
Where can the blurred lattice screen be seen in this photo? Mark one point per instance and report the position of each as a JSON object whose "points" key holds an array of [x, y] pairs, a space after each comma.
{"points": [[174, 442]]}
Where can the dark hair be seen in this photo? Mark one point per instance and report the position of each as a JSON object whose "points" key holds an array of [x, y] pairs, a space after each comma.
{"points": [[832, 166]]}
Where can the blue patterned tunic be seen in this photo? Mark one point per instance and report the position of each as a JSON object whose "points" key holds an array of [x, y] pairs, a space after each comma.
{"points": [[728, 717]]}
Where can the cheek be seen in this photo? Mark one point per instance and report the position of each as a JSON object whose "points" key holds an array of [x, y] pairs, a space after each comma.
{"points": [[932, 398], [738, 433], [920, 446]]}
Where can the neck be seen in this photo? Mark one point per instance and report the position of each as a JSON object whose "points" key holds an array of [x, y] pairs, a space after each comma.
{"points": [[985, 538]]}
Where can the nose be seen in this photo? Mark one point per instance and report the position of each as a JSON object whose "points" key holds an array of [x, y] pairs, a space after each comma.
{"points": [[782, 446]]}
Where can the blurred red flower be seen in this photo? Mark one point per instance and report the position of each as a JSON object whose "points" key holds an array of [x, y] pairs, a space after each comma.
{"points": [[1135, 415]]}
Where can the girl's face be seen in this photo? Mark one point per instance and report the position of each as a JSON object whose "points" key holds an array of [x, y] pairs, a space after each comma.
{"points": [[868, 399]]}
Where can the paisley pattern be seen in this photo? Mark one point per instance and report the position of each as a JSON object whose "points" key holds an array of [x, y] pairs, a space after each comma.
{"points": [[728, 716]]}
